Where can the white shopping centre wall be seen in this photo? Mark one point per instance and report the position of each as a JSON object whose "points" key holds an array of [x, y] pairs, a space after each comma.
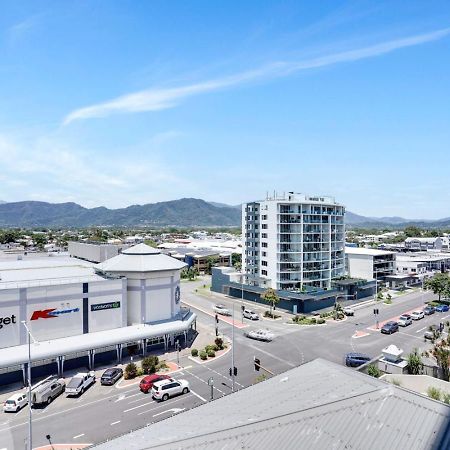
{"points": [[62, 310]]}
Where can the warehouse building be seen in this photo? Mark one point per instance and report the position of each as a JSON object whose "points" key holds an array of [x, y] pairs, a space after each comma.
{"points": [[79, 313]]}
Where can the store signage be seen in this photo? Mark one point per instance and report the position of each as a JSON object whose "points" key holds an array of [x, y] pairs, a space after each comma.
{"points": [[103, 306], [7, 320], [51, 313]]}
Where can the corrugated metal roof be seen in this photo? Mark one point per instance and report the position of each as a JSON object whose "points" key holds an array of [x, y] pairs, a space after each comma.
{"points": [[317, 405]]}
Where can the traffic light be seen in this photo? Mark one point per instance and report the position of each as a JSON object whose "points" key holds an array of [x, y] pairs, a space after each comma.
{"points": [[235, 371], [242, 308], [257, 364], [231, 373], [217, 318]]}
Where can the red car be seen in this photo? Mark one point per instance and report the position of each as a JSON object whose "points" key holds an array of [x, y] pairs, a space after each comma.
{"points": [[147, 382]]}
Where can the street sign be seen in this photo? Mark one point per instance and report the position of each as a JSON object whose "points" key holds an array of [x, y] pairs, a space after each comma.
{"points": [[211, 381]]}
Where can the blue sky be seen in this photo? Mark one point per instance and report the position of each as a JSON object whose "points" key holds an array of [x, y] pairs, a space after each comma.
{"points": [[129, 102]]}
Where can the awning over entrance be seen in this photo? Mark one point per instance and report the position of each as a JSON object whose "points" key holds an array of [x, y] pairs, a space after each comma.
{"points": [[17, 355]]}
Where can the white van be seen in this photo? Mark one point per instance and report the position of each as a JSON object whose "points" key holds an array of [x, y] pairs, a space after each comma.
{"points": [[47, 392]]}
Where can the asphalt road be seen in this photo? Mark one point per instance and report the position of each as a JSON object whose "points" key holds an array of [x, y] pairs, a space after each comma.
{"points": [[105, 412]]}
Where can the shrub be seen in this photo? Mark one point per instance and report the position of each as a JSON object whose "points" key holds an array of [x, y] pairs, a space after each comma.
{"points": [[194, 352], [140, 372], [162, 365], [320, 321], [434, 393], [215, 348], [209, 347], [149, 364], [211, 353], [219, 342], [373, 371], [312, 320], [446, 398], [203, 355], [260, 378], [130, 371]]}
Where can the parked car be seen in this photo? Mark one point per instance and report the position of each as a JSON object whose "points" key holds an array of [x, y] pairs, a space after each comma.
{"points": [[46, 392], [432, 332], [79, 383], [389, 327], [404, 320], [417, 315], [15, 403], [221, 309], [164, 389], [259, 335], [147, 382], [428, 310], [249, 314], [356, 359], [111, 376], [348, 311], [441, 308]]}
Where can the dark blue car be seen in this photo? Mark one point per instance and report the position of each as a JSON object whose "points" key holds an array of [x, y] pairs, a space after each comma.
{"points": [[441, 308], [389, 328], [356, 359]]}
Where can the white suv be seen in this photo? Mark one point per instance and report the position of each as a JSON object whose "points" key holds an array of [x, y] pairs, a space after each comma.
{"points": [[15, 403], [164, 389], [249, 314], [417, 315]]}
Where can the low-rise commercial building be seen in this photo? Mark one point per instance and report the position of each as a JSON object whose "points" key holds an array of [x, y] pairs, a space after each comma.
{"points": [[92, 251], [80, 312], [423, 243], [369, 264]]}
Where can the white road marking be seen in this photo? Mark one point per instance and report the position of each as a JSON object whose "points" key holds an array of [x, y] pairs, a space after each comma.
{"points": [[116, 422], [204, 381], [172, 410], [126, 397], [78, 436], [410, 335], [418, 331], [135, 407], [164, 404], [199, 396]]}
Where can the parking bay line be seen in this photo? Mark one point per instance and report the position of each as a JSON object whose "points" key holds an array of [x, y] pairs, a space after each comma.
{"points": [[115, 423], [78, 436], [424, 328]]}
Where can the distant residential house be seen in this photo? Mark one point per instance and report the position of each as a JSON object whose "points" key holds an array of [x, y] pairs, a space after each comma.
{"points": [[423, 243]]}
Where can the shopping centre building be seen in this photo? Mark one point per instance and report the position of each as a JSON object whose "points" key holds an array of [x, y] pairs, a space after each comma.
{"points": [[80, 314]]}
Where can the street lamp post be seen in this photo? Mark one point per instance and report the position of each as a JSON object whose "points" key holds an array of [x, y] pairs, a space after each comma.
{"points": [[30, 416], [232, 351]]}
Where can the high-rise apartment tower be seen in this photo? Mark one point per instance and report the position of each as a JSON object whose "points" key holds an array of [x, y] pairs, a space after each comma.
{"points": [[293, 241]]}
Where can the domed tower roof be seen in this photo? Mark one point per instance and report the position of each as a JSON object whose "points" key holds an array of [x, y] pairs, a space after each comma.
{"points": [[140, 258]]}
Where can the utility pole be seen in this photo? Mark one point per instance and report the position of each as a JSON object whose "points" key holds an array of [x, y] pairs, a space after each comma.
{"points": [[232, 351], [30, 414]]}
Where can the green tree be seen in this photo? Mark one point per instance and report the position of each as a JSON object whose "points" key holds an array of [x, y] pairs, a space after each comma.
{"points": [[412, 231], [151, 243], [149, 364], [236, 261], [270, 296], [439, 284], [415, 364], [441, 352], [210, 263], [40, 240]]}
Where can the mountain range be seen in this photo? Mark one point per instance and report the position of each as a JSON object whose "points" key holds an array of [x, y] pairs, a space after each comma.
{"points": [[186, 212]]}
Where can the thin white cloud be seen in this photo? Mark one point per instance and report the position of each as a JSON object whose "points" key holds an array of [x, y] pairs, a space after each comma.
{"points": [[159, 99]]}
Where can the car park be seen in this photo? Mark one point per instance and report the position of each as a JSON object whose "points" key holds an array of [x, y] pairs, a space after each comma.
{"points": [[428, 310], [441, 308], [222, 309], [432, 333], [249, 314], [46, 392], [164, 389], [79, 383], [259, 335], [389, 327], [348, 311], [111, 376], [147, 382], [417, 315], [356, 359], [404, 320], [15, 403]]}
